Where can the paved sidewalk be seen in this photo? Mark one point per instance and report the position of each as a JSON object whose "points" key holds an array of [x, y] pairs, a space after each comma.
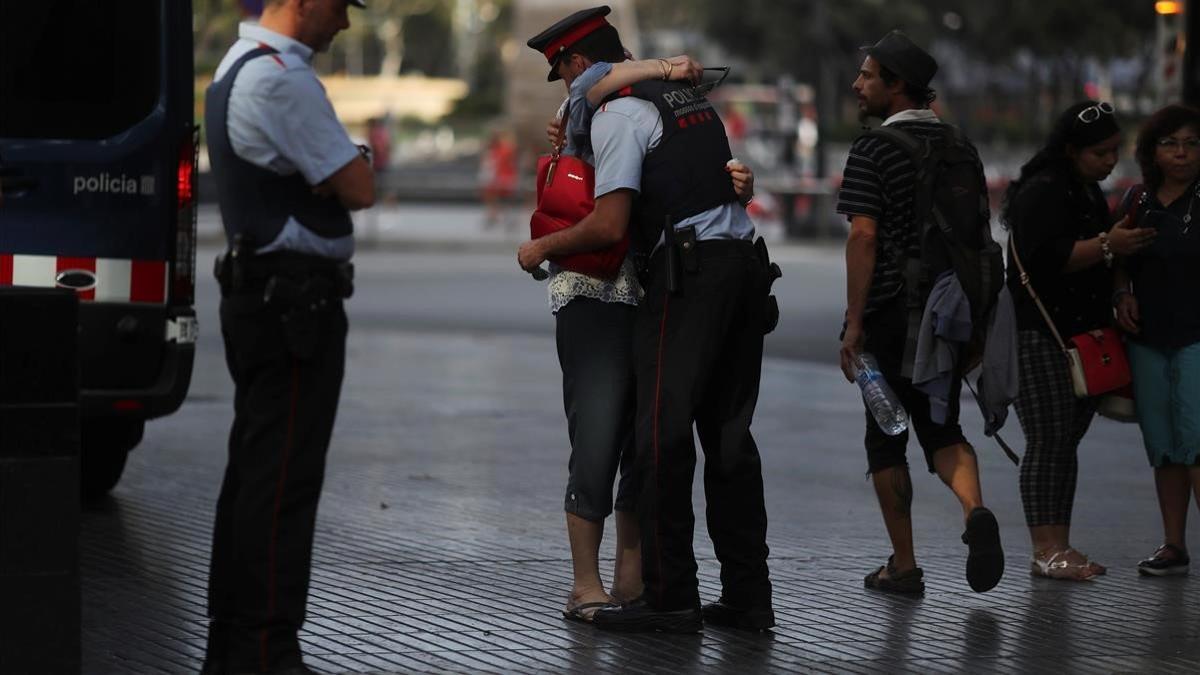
{"points": [[441, 546]]}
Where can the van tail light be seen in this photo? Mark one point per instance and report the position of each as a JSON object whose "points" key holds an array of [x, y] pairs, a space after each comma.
{"points": [[183, 276]]}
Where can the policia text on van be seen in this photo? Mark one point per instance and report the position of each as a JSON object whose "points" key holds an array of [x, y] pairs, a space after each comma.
{"points": [[97, 136]]}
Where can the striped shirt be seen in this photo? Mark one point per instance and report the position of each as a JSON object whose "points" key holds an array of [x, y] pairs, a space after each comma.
{"points": [[879, 182]]}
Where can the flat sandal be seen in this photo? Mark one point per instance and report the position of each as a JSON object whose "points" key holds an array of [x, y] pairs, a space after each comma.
{"points": [[1056, 566]]}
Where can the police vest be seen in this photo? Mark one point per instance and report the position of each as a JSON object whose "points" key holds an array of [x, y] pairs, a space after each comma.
{"points": [[256, 202], [684, 175]]}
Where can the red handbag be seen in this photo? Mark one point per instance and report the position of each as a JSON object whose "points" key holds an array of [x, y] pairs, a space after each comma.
{"points": [[1096, 359], [566, 186], [1098, 363]]}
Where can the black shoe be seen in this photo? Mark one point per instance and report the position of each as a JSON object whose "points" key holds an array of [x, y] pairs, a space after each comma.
{"points": [[1168, 560], [721, 614], [640, 617], [985, 559]]}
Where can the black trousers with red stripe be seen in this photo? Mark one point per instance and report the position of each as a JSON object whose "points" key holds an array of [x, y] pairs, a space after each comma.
{"points": [[698, 356], [284, 408]]}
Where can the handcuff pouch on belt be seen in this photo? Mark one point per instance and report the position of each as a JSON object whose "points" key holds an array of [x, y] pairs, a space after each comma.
{"points": [[681, 255]]}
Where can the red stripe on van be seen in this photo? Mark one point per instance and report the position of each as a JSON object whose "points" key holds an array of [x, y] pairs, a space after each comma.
{"points": [[66, 263], [148, 281], [6, 270]]}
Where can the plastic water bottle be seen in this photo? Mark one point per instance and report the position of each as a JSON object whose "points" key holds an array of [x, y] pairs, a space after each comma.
{"points": [[879, 397]]}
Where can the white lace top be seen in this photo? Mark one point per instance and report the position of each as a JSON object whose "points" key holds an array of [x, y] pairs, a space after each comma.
{"points": [[565, 286]]}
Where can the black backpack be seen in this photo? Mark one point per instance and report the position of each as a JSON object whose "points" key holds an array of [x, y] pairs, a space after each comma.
{"points": [[953, 221]]}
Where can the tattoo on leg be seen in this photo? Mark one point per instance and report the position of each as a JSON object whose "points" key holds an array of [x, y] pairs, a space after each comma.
{"points": [[902, 488]]}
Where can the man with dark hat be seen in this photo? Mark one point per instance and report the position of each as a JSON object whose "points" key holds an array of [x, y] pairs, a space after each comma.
{"points": [[287, 177], [882, 249], [661, 153]]}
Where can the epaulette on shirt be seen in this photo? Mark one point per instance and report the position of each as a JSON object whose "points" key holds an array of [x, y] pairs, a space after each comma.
{"points": [[287, 61]]}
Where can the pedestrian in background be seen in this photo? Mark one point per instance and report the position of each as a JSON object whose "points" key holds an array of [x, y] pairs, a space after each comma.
{"points": [[1156, 301], [287, 178], [498, 171], [883, 244], [697, 365], [1062, 230]]}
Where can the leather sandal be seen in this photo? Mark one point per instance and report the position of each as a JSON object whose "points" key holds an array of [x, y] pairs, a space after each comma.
{"points": [[584, 612], [904, 583], [1056, 566]]}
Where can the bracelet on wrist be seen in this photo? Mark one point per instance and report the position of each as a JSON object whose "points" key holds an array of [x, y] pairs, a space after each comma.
{"points": [[1117, 294], [1106, 250]]}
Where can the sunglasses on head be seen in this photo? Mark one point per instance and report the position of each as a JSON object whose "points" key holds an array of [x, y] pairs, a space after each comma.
{"points": [[1093, 112], [704, 87]]}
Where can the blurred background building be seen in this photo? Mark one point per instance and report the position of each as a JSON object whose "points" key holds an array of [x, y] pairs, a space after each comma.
{"points": [[436, 79]]}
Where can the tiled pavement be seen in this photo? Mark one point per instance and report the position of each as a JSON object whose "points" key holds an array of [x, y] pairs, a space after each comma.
{"points": [[441, 547]]}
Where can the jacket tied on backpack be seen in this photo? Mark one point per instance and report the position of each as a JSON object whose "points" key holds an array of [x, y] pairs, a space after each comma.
{"points": [[959, 257]]}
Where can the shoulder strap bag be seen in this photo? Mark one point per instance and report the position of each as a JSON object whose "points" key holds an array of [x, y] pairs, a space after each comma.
{"points": [[1096, 359], [566, 188]]}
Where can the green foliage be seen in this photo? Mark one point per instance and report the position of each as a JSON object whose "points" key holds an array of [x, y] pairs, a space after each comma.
{"points": [[803, 38], [787, 35]]}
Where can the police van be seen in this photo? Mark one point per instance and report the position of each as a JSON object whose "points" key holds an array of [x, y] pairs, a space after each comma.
{"points": [[98, 145]]}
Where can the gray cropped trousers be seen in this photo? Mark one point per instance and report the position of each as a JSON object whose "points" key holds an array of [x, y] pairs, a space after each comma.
{"points": [[595, 351]]}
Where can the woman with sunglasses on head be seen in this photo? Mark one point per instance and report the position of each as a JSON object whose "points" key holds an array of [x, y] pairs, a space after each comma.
{"points": [[1062, 234], [1155, 299]]}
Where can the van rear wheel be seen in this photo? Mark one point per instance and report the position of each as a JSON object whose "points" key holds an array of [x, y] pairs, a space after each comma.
{"points": [[104, 445]]}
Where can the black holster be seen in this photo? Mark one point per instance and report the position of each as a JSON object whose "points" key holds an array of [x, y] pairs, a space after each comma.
{"points": [[771, 315], [300, 288]]}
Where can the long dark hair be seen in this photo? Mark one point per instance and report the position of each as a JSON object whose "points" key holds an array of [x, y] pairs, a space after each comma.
{"points": [[1052, 156], [1160, 125]]}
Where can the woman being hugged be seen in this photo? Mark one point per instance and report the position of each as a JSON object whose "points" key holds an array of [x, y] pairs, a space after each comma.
{"points": [[594, 322], [1062, 235], [1156, 304]]}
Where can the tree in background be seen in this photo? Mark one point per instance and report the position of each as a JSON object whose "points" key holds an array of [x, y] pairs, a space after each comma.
{"points": [[389, 37], [1043, 48]]}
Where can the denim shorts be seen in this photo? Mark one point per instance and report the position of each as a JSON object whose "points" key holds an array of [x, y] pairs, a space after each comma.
{"points": [[1166, 389]]}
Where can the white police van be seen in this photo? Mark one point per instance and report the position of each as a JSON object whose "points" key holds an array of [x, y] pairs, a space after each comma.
{"points": [[98, 145]]}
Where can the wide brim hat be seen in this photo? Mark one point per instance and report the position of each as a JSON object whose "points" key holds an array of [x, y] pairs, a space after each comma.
{"points": [[902, 56], [555, 40]]}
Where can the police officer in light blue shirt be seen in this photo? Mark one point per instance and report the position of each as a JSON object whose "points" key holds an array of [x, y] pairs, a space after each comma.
{"points": [[661, 155], [287, 178]]}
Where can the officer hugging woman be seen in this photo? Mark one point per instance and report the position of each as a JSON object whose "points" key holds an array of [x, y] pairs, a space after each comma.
{"points": [[685, 312]]}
